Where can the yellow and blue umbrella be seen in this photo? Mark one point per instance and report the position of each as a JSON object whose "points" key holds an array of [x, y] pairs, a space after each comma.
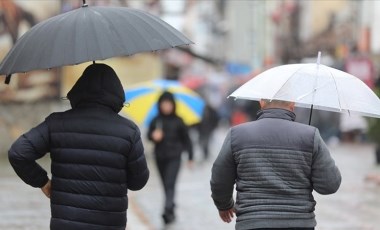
{"points": [[142, 99]]}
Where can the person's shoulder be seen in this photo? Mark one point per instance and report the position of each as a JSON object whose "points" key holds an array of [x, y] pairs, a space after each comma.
{"points": [[58, 115], [179, 119], [243, 125], [304, 126], [303, 129], [126, 121]]}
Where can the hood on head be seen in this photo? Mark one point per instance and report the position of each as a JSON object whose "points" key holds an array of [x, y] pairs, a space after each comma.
{"points": [[166, 96], [98, 84]]}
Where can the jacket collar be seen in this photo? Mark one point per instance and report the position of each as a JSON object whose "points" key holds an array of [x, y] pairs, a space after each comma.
{"points": [[276, 113], [94, 105]]}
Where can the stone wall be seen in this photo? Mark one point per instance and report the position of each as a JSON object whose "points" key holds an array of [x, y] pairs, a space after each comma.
{"points": [[17, 118]]}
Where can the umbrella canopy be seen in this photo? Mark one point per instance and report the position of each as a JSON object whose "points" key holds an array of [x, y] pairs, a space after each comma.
{"points": [[142, 99], [312, 86], [89, 33]]}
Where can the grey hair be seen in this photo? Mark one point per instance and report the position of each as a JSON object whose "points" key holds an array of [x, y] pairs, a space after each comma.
{"points": [[269, 102]]}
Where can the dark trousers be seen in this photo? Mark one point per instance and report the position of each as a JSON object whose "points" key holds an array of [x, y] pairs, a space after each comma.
{"points": [[204, 139], [168, 169], [283, 229]]}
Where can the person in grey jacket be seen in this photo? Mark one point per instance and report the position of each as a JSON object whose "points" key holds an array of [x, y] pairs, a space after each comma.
{"points": [[276, 164]]}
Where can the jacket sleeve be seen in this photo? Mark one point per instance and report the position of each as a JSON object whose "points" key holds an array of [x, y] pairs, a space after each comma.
{"points": [[325, 175], [151, 128], [184, 132], [137, 168], [223, 177], [26, 150]]}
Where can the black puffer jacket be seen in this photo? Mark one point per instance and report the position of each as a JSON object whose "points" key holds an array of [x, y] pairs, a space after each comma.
{"points": [[96, 155]]}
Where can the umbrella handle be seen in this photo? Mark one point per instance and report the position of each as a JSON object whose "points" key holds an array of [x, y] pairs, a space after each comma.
{"points": [[8, 79], [311, 113]]}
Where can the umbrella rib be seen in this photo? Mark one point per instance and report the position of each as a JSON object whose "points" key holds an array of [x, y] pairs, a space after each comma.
{"points": [[286, 81], [135, 28], [149, 25], [315, 89], [155, 29], [178, 36], [337, 90], [119, 37]]}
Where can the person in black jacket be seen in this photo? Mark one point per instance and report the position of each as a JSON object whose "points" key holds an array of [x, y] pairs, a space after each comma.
{"points": [[96, 155], [170, 136]]}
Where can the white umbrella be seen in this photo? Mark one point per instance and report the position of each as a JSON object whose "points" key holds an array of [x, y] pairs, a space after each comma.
{"points": [[312, 86]]}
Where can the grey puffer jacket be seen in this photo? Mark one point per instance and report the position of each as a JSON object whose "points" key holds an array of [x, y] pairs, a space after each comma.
{"points": [[275, 163], [96, 154]]}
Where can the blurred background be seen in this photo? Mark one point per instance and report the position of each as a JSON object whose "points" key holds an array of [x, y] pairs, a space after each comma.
{"points": [[234, 41]]}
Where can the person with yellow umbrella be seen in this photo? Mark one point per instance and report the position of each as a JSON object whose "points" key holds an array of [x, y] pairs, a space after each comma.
{"points": [[170, 136], [189, 104]]}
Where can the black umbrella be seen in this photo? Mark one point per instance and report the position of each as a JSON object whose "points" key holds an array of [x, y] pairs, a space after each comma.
{"points": [[86, 34]]}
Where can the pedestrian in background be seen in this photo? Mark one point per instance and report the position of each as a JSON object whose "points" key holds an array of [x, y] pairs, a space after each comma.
{"points": [[171, 137], [96, 155], [206, 127], [275, 163]]}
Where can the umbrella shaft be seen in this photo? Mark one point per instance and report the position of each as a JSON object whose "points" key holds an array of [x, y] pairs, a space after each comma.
{"points": [[311, 113], [7, 79]]}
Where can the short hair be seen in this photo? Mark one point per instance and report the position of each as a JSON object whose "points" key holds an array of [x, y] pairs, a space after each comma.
{"points": [[269, 102]]}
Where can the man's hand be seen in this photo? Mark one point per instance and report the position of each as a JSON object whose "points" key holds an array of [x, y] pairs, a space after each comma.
{"points": [[227, 215], [46, 189]]}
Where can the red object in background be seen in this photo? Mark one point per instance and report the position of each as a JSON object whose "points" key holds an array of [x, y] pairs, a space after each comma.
{"points": [[276, 16], [238, 117], [364, 40], [362, 68], [284, 9], [193, 82]]}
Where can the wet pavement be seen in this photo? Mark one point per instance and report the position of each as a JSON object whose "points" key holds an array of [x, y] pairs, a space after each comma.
{"points": [[22, 207], [356, 206]]}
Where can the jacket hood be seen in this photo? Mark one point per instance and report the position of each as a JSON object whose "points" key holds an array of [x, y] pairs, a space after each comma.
{"points": [[166, 96], [98, 84]]}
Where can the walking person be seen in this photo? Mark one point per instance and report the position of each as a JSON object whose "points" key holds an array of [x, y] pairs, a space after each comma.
{"points": [[171, 138], [275, 163], [96, 155], [206, 127]]}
